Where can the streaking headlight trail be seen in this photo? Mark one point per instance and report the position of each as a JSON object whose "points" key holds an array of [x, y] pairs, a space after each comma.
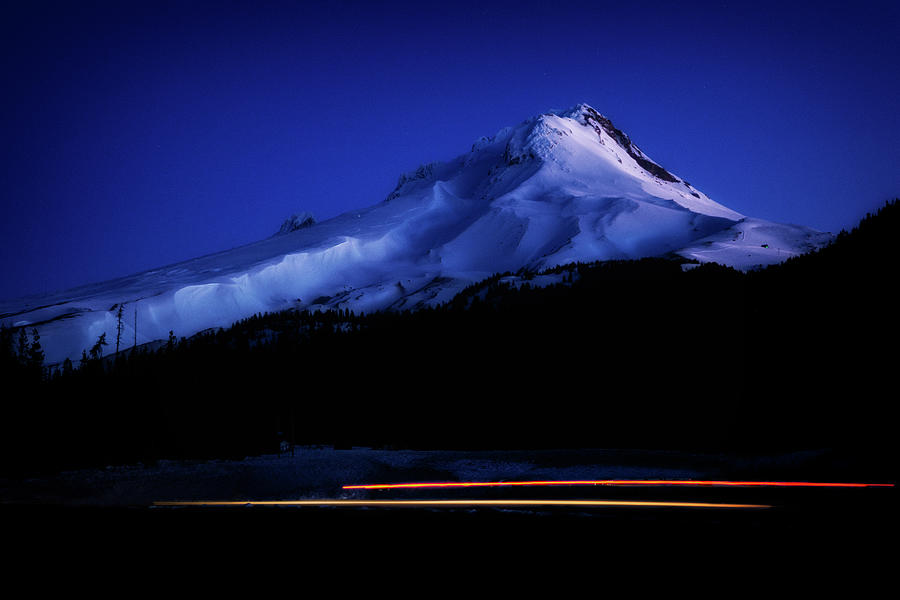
{"points": [[452, 503], [613, 482]]}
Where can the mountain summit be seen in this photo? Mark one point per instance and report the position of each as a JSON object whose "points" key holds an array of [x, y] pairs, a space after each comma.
{"points": [[565, 186]]}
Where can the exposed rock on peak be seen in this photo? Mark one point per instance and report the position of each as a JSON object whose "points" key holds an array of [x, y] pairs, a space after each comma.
{"points": [[295, 222], [592, 118]]}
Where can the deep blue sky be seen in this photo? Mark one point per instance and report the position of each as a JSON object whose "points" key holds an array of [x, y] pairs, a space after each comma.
{"points": [[137, 134]]}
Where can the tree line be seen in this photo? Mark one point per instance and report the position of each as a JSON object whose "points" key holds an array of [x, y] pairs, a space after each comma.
{"points": [[641, 353]]}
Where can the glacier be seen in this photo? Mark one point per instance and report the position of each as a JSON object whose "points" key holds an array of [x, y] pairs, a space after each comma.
{"points": [[562, 187]]}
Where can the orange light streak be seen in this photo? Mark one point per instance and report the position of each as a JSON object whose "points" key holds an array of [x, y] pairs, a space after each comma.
{"points": [[434, 503], [623, 482]]}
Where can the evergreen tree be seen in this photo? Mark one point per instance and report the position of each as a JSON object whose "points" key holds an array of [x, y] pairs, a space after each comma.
{"points": [[97, 349], [35, 353], [119, 327], [22, 347]]}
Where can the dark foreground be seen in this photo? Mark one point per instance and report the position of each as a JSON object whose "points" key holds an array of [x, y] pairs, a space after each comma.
{"points": [[104, 522], [849, 524]]}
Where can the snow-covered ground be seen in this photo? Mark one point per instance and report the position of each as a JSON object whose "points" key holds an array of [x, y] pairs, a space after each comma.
{"points": [[558, 188], [755, 243], [320, 473]]}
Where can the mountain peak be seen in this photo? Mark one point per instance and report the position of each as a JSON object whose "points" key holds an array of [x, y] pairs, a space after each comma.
{"points": [[580, 112], [589, 116], [545, 127]]}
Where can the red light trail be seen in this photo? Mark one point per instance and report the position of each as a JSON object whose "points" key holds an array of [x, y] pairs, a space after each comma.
{"points": [[613, 482]]}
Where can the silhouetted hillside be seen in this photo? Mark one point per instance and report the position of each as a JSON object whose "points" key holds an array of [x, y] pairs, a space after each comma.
{"points": [[615, 354]]}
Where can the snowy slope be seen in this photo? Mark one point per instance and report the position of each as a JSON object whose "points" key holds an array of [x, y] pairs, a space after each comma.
{"points": [[561, 187]]}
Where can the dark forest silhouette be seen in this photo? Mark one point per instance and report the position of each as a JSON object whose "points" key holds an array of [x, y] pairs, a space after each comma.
{"points": [[641, 353]]}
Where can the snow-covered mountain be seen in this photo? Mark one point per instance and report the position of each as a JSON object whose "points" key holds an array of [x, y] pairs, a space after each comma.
{"points": [[562, 187]]}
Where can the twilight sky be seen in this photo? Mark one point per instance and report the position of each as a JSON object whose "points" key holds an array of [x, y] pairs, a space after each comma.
{"points": [[142, 133]]}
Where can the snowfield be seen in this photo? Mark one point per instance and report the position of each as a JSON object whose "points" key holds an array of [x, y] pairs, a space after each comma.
{"points": [[320, 473], [555, 189]]}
